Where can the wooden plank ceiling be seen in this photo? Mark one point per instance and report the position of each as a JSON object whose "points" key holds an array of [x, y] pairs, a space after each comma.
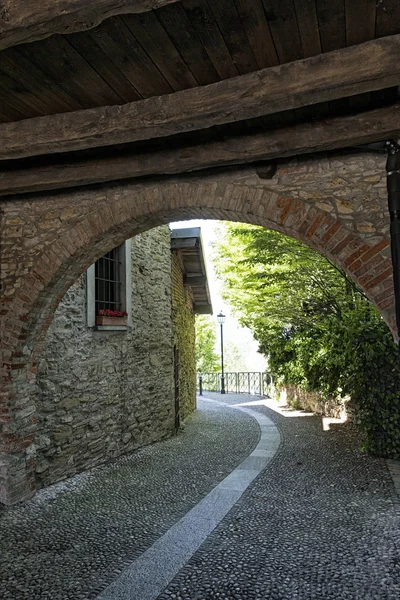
{"points": [[184, 45]]}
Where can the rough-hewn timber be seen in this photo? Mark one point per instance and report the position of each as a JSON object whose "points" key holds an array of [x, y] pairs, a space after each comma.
{"points": [[346, 72], [24, 21], [317, 136]]}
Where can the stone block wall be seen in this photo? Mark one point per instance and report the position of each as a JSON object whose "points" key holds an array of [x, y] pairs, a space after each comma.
{"points": [[48, 240], [184, 337], [105, 393], [336, 408]]}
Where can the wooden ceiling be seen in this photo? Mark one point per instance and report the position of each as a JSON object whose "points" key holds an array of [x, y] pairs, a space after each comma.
{"points": [[183, 45], [189, 58]]}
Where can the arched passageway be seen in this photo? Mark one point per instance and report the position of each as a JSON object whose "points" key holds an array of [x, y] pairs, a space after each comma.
{"points": [[334, 204]]}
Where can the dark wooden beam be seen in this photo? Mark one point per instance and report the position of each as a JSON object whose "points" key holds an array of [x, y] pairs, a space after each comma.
{"points": [[203, 309], [317, 136], [371, 66], [23, 21], [198, 280], [180, 243]]}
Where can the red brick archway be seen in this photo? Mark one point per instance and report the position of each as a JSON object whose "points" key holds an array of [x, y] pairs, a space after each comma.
{"points": [[49, 241]]}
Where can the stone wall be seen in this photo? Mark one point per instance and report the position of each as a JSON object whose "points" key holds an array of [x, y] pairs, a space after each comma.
{"points": [[336, 408], [48, 240], [105, 393], [184, 338]]}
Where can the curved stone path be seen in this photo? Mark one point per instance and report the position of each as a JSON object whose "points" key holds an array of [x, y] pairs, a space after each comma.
{"points": [[154, 569], [321, 520], [74, 538]]}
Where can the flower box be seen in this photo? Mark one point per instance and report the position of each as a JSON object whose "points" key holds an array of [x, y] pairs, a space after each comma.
{"points": [[115, 318], [113, 321]]}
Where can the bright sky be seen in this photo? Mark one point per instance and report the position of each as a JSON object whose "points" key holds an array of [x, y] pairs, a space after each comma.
{"points": [[232, 330]]}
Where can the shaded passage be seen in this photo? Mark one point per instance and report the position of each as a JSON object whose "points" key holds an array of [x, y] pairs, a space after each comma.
{"points": [[74, 538], [321, 521]]}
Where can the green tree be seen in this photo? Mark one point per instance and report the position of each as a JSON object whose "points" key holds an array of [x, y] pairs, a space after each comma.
{"points": [[316, 327], [207, 360]]}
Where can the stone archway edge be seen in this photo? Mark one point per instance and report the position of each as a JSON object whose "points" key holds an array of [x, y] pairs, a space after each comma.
{"points": [[149, 574]]}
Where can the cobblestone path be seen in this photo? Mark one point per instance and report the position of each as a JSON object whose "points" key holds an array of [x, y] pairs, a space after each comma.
{"points": [[74, 538], [321, 521]]}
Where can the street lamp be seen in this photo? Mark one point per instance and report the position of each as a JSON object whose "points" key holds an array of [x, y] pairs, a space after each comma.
{"points": [[221, 321]]}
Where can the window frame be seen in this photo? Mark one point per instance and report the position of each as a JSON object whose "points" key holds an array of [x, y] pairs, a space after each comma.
{"points": [[126, 291]]}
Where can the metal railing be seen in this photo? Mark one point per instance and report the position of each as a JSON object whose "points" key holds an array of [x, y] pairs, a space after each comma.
{"points": [[259, 384]]}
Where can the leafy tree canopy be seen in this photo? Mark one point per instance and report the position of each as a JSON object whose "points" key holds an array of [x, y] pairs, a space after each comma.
{"points": [[315, 326], [207, 360]]}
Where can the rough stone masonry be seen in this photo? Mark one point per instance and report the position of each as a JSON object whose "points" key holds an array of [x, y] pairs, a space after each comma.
{"points": [[105, 393], [336, 204]]}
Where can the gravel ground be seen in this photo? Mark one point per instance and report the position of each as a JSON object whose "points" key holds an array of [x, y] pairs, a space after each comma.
{"points": [[322, 521], [74, 538]]}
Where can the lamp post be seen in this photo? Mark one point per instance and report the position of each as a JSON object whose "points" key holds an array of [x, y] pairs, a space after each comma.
{"points": [[221, 321]]}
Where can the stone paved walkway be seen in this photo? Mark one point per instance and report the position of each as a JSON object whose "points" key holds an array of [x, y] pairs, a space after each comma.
{"points": [[74, 538], [321, 521]]}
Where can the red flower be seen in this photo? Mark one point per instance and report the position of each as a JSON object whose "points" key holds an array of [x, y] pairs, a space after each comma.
{"points": [[106, 312]]}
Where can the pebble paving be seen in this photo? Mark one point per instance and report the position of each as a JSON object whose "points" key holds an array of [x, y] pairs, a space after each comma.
{"points": [[75, 538], [322, 521]]}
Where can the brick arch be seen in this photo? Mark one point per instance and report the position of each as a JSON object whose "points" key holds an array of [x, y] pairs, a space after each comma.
{"points": [[68, 232]]}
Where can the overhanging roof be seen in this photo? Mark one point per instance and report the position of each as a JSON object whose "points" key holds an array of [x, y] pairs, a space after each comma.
{"points": [[189, 242]]}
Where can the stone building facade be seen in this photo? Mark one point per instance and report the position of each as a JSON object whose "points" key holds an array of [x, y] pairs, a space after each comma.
{"points": [[106, 391], [184, 340], [48, 240]]}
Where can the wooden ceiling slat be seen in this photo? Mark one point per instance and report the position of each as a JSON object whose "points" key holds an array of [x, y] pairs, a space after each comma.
{"points": [[70, 71], [235, 36], [17, 95], [10, 110], [204, 23], [26, 21], [332, 25], [152, 36], [387, 18], [181, 31], [17, 66], [307, 21], [360, 21], [85, 44], [360, 27], [282, 21], [252, 15], [117, 41], [14, 105], [3, 118]]}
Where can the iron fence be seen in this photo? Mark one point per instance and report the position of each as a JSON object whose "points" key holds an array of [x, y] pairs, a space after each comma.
{"points": [[259, 384]]}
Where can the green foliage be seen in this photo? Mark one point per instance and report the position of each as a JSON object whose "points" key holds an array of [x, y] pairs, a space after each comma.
{"points": [[234, 357], [207, 360], [317, 329]]}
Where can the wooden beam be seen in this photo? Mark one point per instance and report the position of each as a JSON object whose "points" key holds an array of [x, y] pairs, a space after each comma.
{"points": [[363, 68], [203, 309], [195, 280], [181, 243], [25, 21], [317, 136]]}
